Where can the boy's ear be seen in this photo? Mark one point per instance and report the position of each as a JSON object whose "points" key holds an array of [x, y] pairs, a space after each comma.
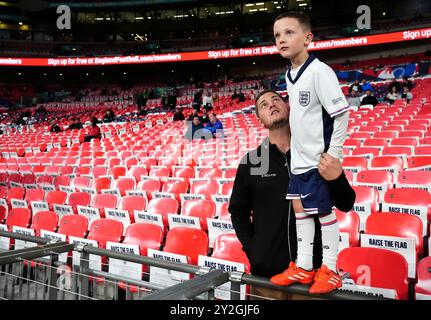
{"points": [[309, 38]]}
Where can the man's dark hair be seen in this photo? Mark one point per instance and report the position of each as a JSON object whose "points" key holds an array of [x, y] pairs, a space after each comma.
{"points": [[261, 94], [303, 19]]}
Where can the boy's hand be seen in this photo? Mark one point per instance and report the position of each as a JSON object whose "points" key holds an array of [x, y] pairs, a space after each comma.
{"points": [[329, 167]]}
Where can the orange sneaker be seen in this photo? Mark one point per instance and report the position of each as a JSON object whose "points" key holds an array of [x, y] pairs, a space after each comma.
{"points": [[325, 281], [293, 274]]}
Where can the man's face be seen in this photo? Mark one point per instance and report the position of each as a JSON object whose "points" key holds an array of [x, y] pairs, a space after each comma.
{"points": [[196, 121], [273, 111], [290, 37]]}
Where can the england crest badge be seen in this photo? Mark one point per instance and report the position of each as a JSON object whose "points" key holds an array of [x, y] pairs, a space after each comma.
{"points": [[304, 98]]}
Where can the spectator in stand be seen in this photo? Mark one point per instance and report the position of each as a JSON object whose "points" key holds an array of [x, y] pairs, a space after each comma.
{"points": [[234, 95], [208, 101], [354, 100], [76, 124], [369, 98], [355, 87], [196, 130], [195, 113], [394, 84], [366, 86], [94, 131], [204, 119], [392, 95], [54, 127], [109, 116], [172, 99], [215, 126], [197, 101], [407, 95], [178, 115], [407, 83], [241, 97], [142, 111]]}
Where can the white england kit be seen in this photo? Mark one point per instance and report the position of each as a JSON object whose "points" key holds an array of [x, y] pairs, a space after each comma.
{"points": [[318, 122]]}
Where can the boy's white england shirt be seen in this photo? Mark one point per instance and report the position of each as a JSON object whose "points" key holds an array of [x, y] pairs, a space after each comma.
{"points": [[315, 98]]}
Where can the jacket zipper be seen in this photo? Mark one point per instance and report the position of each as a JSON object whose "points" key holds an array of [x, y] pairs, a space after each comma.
{"points": [[286, 164]]}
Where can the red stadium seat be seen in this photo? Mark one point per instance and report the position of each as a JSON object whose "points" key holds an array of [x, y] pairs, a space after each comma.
{"points": [[202, 209], [360, 163], [212, 173], [102, 183], [163, 206], [349, 222], [45, 179], [149, 186], [15, 193], [418, 161], [61, 181], [367, 195], [145, 235], [377, 142], [44, 220], [103, 230], [396, 225], [226, 188], [137, 172], [388, 161], [102, 201], [387, 269], [207, 188], [186, 173], [187, 241], [56, 197], [81, 182], [224, 212], [228, 247], [229, 173], [28, 179], [117, 171], [99, 171], [79, 199], [34, 195], [419, 178], [410, 197], [160, 172], [124, 184], [175, 187], [19, 217], [383, 179], [132, 203], [73, 225], [374, 151], [387, 151], [423, 285]]}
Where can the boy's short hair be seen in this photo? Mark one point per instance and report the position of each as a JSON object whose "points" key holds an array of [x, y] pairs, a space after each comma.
{"points": [[303, 19], [260, 94]]}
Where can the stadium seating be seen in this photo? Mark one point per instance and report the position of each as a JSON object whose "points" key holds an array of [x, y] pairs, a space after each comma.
{"points": [[396, 225], [44, 220], [228, 247], [187, 241], [73, 225], [376, 267], [202, 209], [349, 222], [103, 230], [423, 286]]}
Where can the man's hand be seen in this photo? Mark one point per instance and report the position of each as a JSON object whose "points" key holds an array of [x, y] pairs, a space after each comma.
{"points": [[329, 167]]}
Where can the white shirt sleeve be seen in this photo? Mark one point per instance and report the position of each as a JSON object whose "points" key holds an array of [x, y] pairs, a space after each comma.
{"points": [[339, 135], [329, 91]]}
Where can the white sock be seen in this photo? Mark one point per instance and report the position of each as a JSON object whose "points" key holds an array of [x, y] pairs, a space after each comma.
{"points": [[330, 240], [305, 229]]}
